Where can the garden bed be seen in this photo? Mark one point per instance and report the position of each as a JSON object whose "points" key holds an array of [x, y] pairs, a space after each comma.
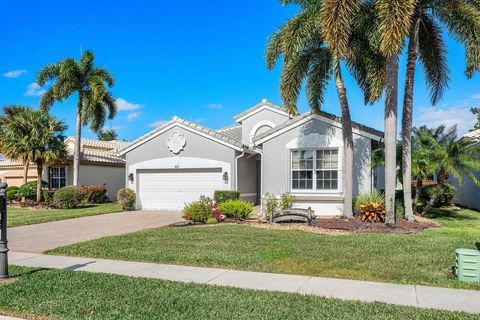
{"points": [[355, 225]]}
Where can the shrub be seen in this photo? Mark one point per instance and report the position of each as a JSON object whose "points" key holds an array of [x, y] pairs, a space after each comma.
{"points": [[270, 203], [12, 193], [48, 196], [199, 211], [236, 209], [444, 197], [224, 195], [126, 197], [29, 189], [95, 194], [287, 200], [69, 197], [212, 221], [370, 207]]}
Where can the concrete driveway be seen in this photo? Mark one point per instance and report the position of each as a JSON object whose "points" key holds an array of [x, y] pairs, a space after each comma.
{"points": [[38, 238]]}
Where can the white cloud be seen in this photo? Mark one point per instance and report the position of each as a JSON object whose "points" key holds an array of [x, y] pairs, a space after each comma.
{"points": [[434, 117], [124, 105], [34, 90], [199, 120], [133, 116], [215, 106], [476, 96], [157, 123], [14, 73]]}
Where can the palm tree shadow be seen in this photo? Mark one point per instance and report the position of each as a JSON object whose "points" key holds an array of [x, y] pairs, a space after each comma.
{"points": [[448, 215], [477, 244], [29, 272]]}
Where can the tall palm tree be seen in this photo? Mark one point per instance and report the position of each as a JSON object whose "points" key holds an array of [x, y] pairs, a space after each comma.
{"points": [[453, 156], [94, 100], [40, 137], [313, 43], [395, 19], [14, 117], [461, 19]]}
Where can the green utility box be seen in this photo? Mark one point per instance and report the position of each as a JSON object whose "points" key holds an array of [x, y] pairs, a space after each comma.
{"points": [[467, 267]]}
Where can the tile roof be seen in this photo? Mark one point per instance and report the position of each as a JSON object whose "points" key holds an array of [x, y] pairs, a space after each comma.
{"points": [[264, 102], [475, 134], [234, 132], [92, 151], [322, 114], [223, 136]]}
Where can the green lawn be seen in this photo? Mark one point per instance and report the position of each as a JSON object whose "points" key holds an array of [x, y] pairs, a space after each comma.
{"points": [[423, 258], [24, 216], [60, 294]]}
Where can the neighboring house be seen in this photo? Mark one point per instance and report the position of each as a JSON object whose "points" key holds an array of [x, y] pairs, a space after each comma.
{"points": [[99, 164], [468, 194], [266, 151]]}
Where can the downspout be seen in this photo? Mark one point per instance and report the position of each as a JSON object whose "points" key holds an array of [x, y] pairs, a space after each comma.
{"points": [[261, 180], [236, 169]]}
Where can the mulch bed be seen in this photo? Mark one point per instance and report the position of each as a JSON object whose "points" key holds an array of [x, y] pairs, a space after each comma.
{"points": [[355, 225]]}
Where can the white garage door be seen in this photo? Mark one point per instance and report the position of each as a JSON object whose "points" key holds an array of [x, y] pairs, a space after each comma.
{"points": [[170, 189]]}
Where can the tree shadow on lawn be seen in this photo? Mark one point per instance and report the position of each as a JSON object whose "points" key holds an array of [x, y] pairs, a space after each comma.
{"points": [[449, 215]]}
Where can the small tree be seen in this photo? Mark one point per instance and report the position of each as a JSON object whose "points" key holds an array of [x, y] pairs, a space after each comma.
{"points": [[40, 136], [107, 135]]}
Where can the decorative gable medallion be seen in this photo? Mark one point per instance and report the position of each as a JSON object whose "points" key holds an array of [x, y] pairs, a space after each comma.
{"points": [[176, 142]]}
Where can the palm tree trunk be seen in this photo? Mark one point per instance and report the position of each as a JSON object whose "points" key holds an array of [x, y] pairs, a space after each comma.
{"points": [[76, 151], [39, 180], [391, 106], [347, 141], [25, 172], [407, 123]]}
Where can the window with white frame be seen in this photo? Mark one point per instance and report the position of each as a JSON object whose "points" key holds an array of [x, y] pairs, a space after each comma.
{"points": [[58, 177], [314, 169]]}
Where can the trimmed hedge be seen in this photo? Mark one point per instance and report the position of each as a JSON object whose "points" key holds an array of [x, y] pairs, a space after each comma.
{"points": [[126, 197], [236, 209], [69, 197], [95, 193], [444, 197], [224, 195], [12, 193], [29, 189]]}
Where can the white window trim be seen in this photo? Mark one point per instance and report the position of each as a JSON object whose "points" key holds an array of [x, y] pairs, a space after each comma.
{"points": [[50, 175], [314, 189]]}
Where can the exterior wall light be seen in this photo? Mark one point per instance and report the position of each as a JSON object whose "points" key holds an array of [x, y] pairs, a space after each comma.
{"points": [[225, 177], [130, 177]]}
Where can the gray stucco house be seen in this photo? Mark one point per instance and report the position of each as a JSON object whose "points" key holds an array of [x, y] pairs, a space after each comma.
{"points": [[467, 194], [266, 151]]}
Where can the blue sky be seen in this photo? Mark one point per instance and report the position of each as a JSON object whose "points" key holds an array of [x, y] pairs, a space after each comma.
{"points": [[199, 60]]}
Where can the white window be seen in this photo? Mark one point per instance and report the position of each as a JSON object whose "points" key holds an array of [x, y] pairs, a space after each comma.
{"points": [[315, 169], [58, 177]]}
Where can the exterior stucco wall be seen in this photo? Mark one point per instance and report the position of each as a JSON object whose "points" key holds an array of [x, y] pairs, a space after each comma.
{"points": [[112, 177], [247, 178], [468, 194], [315, 134], [264, 117], [196, 146]]}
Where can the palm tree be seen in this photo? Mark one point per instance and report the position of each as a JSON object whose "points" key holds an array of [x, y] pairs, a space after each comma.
{"points": [[460, 18], [94, 100], [14, 118], [451, 155], [40, 137], [313, 46], [395, 19], [107, 135]]}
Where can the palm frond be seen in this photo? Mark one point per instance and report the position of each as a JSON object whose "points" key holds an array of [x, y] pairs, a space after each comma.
{"points": [[320, 72], [395, 20], [433, 56]]}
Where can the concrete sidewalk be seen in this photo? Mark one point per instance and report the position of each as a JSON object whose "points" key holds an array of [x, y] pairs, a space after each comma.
{"points": [[50, 235], [407, 295]]}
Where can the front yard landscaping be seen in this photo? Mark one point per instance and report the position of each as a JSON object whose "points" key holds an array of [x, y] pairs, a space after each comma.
{"points": [[60, 294], [24, 216], [421, 258]]}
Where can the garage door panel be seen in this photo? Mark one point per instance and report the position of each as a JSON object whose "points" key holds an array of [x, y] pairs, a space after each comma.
{"points": [[170, 189]]}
